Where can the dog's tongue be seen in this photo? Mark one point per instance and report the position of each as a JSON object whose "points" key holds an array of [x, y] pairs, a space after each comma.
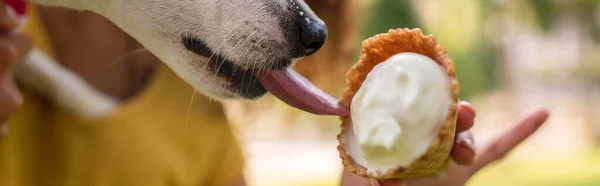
{"points": [[295, 90]]}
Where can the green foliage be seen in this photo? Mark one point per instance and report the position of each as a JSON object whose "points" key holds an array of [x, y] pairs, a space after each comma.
{"points": [[547, 11], [383, 15], [474, 57], [544, 11], [476, 70], [587, 13], [461, 31]]}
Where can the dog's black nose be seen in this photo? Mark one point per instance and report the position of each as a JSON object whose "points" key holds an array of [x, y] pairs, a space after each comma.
{"points": [[313, 35]]}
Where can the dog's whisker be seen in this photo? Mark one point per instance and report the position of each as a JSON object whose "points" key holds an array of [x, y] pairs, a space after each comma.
{"points": [[233, 49], [187, 116], [244, 76], [251, 75], [264, 74], [122, 58], [237, 67], [252, 66], [250, 80], [218, 49], [240, 108], [254, 63], [260, 41], [230, 34], [266, 59], [261, 102]]}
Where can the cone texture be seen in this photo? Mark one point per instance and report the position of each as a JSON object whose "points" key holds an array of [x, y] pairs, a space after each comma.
{"points": [[378, 49]]}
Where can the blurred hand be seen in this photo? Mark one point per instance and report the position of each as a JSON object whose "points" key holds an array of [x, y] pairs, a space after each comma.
{"points": [[13, 47], [465, 163]]}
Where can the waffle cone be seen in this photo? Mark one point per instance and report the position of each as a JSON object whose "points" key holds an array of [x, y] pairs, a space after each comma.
{"points": [[378, 49]]}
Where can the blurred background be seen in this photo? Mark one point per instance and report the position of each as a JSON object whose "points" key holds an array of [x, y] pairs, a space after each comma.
{"points": [[510, 56]]}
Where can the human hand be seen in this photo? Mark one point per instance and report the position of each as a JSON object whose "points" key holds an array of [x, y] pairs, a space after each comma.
{"points": [[13, 46], [465, 163]]}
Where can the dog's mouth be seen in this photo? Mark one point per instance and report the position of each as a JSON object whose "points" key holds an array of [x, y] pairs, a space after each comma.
{"points": [[280, 80]]}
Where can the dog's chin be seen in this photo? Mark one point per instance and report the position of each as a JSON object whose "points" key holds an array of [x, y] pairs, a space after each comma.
{"points": [[233, 81], [224, 92]]}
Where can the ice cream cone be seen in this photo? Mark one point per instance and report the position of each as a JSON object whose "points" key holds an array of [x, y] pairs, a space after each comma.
{"points": [[376, 50]]}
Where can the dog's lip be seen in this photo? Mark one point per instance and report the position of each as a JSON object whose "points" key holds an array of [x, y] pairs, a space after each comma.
{"points": [[281, 80], [241, 77]]}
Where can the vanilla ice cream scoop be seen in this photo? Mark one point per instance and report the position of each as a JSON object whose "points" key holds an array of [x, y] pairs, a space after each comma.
{"points": [[398, 111], [403, 100]]}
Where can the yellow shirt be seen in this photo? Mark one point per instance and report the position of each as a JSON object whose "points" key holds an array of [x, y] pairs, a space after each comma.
{"points": [[146, 142]]}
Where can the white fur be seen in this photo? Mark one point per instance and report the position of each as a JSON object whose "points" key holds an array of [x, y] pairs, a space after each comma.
{"points": [[226, 26]]}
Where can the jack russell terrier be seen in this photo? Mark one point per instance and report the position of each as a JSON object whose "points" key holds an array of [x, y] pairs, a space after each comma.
{"points": [[225, 49]]}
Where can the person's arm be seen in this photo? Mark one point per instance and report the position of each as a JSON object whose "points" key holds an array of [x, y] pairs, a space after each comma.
{"points": [[464, 163], [13, 46]]}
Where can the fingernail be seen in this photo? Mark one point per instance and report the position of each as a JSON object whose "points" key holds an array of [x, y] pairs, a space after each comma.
{"points": [[469, 107], [465, 139]]}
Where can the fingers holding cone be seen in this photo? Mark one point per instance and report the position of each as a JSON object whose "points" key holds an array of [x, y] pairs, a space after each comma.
{"points": [[464, 150]]}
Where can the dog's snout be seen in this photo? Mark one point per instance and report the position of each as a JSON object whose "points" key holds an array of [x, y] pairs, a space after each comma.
{"points": [[313, 35]]}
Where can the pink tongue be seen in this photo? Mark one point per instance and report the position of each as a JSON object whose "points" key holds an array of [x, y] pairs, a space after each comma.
{"points": [[295, 90]]}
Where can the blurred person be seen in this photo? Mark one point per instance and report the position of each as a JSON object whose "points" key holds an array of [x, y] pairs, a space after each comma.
{"points": [[152, 139]]}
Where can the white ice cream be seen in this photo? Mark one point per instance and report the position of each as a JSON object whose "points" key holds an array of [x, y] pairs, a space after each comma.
{"points": [[398, 111]]}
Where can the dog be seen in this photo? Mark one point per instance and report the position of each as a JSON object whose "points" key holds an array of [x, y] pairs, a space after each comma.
{"points": [[216, 46]]}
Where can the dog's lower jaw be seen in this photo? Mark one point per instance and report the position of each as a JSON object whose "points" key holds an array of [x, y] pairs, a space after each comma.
{"points": [[233, 84]]}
